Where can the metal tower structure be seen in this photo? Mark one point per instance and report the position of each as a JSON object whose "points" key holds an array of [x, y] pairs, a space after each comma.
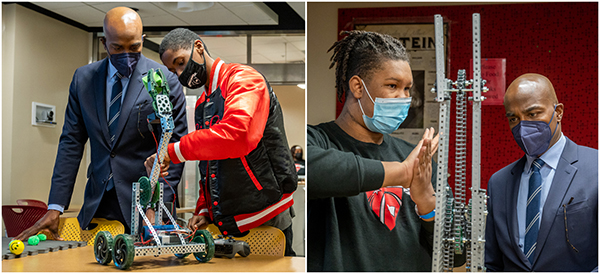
{"points": [[459, 228]]}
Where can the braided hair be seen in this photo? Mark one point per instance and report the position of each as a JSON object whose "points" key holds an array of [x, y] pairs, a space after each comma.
{"points": [[361, 53]]}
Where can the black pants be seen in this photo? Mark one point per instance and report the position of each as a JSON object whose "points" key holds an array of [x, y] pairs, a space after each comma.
{"points": [[289, 237], [109, 209]]}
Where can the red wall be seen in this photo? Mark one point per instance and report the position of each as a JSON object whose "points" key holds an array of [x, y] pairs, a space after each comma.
{"points": [[557, 40]]}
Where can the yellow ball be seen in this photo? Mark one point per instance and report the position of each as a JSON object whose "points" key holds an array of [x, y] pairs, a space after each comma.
{"points": [[16, 247]]}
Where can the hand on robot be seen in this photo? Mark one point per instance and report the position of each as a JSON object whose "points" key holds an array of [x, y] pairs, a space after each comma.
{"points": [[49, 223], [197, 222], [150, 214], [163, 167]]}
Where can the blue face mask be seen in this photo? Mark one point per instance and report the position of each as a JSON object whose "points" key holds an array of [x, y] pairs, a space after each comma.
{"points": [[125, 62], [388, 113], [534, 137]]}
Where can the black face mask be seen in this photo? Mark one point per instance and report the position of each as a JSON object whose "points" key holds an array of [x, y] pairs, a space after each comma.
{"points": [[298, 155], [194, 75]]}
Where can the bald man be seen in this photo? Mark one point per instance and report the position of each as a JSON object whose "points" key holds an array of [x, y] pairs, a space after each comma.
{"points": [[108, 105], [543, 208]]}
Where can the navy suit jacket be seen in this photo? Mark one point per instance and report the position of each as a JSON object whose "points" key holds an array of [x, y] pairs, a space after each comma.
{"points": [[576, 176], [85, 119]]}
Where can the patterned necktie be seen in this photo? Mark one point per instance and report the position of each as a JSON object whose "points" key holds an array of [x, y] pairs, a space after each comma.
{"points": [[115, 108], [113, 114], [533, 209]]}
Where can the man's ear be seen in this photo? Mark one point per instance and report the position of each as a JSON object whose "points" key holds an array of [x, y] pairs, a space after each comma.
{"points": [[560, 110], [356, 87], [199, 46]]}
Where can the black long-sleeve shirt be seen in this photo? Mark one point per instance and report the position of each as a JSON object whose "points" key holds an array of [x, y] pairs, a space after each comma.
{"points": [[344, 233]]}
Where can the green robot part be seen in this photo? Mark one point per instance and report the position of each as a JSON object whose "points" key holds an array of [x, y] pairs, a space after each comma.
{"points": [[156, 83]]}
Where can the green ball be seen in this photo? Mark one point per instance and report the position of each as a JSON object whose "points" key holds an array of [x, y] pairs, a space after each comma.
{"points": [[42, 237], [33, 240]]}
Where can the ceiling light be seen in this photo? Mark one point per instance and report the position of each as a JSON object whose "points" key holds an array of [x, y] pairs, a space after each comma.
{"points": [[187, 6]]}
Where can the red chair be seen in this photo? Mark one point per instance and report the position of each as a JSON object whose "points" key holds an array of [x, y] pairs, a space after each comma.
{"points": [[31, 202], [17, 218]]}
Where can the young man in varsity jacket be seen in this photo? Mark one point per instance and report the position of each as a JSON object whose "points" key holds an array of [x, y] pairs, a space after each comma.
{"points": [[247, 171]]}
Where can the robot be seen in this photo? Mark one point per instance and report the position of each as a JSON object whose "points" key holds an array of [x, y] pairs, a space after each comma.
{"points": [[460, 228], [158, 240]]}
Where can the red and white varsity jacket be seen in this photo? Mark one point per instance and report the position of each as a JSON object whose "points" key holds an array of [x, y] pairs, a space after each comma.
{"points": [[247, 171]]}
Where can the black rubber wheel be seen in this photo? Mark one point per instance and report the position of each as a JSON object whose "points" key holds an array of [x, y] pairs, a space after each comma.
{"points": [[102, 247], [123, 251], [203, 236]]}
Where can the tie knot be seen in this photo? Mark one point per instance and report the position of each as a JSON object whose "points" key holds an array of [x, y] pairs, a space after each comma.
{"points": [[537, 164], [118, 75]]}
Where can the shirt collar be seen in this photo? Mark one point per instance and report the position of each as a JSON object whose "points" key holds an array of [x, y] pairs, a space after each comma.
{"points": [[551, 156], [111, 69]]}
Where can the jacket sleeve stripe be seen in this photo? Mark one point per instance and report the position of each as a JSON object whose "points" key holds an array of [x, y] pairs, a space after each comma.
{"points": [[247, 221], [178, 152], [203, 212]]}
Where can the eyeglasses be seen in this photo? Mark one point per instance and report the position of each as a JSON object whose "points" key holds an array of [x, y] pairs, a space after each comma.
{"points": [[566, 227]]}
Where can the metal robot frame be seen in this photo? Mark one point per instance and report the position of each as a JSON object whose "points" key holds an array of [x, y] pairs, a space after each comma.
{"points": [[459, 228], [145, 192]]}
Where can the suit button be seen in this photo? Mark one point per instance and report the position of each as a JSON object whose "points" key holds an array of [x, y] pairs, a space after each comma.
{"points": [[220, 223], [224, 232], [113, 154], [215, 203], [212, 176]]}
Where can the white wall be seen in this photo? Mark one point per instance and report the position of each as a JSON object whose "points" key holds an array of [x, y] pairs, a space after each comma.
{"points": [[291, 99], [40, 55], [8, 58]]}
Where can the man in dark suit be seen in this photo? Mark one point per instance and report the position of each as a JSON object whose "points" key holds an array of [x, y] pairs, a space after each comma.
{"points": [[109, 105], [543, 208]]}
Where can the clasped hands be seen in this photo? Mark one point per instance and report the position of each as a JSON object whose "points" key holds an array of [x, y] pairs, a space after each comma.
{"points": [[415, 172]]}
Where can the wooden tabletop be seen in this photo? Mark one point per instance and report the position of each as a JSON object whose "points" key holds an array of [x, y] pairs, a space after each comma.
{"points": [[82, 259]]}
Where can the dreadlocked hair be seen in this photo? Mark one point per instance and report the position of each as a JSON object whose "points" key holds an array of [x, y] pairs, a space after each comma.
{"points": [[360, 53]]}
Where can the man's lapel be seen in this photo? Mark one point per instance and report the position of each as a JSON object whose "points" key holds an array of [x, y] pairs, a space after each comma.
{"points": [[512, 194], [565, 171], [99, 89]]}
